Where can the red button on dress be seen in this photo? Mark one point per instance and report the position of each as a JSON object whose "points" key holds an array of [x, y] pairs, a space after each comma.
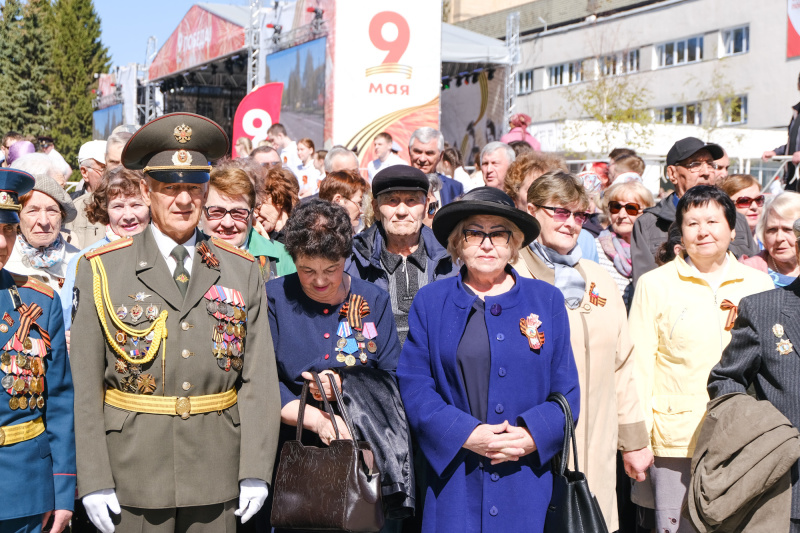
{"points": [[327, 335], [325, 311], [327, 355]]}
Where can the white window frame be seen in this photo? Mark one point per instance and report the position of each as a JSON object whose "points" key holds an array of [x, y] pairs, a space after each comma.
{"points": [[619, 64], [678, 51], [675, 110], [565, 73], [727, 41], [729, 119], [524, 83]]}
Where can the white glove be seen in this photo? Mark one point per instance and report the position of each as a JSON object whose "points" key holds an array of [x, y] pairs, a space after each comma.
{"points": [[97, 505], [252, 495]]}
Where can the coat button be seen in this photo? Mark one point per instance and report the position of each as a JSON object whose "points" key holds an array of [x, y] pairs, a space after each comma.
{"points": [[501, 372], [186, 385], [499, 409], [186, 354], [495, 476], [327, 335], [500, 336], [325, 311], [493, 511], [496, 309], [185, 325]]}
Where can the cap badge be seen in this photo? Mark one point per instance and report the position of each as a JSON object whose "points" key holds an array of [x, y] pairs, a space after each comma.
{"points": [[181, 157], [183, 133], [8, 201]]}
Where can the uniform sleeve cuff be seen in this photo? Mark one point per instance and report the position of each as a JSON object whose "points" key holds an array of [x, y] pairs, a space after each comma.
{"points": [[633, 437]]}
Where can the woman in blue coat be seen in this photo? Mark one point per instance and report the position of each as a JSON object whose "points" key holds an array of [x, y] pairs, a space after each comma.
{"points": [[37, 439], [484, 351]]}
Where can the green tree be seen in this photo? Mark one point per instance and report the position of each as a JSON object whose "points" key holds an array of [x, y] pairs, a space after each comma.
{"points": [[26, 67], [78, 54]]}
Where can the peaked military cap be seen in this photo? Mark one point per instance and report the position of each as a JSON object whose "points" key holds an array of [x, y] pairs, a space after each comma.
{"points": [[13, 184], [176, 148]]}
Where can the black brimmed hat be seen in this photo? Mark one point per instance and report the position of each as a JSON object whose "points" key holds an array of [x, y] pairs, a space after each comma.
{"points": [[399, 178], [483, 201], [689, 146], [13, 184], [176, 148]]}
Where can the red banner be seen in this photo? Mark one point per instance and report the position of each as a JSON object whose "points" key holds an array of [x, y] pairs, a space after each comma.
{"points": [[257, 112], [199, 38], [793, 29]]}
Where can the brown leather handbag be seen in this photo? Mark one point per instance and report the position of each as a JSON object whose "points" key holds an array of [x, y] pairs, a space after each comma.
{"points": [[328, 488]]}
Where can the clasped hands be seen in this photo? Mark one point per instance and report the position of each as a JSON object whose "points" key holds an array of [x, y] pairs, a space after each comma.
{"points": [[500, 442]]}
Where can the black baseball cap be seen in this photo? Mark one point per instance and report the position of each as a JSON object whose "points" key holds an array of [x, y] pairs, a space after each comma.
{"points": [[399, 178], [689, 146]]}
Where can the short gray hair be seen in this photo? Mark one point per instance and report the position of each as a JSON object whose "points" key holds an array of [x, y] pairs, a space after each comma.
{"points": [[337, 151], [494, 146], [426, 135], [121, 137], [435, 183]]}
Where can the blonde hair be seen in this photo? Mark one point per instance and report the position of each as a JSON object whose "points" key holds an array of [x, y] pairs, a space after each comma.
{"points": [[558, 187], [455, 242], [643, 196], [786, 205]]}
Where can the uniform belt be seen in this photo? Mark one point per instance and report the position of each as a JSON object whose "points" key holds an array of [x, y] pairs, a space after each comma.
{"points": [[182, 406], [21, 432]]}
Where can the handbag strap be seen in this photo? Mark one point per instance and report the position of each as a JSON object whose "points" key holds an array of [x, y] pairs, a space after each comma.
{"points": [[342, 409], [301, 413], [569, 433]]}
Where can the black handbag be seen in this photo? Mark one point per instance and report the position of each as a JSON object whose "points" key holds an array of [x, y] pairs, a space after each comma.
{"points": [[327, 488], [573, 507]]}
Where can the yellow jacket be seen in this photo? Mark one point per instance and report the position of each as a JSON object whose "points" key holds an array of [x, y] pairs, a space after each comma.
{"points": [[677, 323]]}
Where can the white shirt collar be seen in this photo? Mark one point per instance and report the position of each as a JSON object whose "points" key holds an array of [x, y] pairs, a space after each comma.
{"points": [[166, 245]]}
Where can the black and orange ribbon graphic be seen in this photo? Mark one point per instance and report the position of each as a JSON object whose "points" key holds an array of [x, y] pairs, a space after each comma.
{"points": [[207, 256], [595, 298], [732, 310], [355, 309], [27, 318]]}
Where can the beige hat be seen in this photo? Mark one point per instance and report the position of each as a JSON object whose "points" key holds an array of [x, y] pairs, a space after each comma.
{"points": [[51, 188]]}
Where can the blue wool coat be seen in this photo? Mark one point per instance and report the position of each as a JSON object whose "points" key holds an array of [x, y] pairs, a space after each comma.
{"points": [[43, 468], [463, 491]]}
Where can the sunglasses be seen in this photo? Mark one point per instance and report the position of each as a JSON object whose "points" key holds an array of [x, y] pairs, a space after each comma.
{"points": [[745, 201], [432, 208], [239, 214], [562, 215], [631, 209]]}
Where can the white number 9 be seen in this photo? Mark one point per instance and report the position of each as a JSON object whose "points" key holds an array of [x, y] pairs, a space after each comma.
{"points": [[249, 123]]}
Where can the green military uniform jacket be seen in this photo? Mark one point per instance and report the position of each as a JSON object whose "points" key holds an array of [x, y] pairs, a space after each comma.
{"points": [[162, 461]]}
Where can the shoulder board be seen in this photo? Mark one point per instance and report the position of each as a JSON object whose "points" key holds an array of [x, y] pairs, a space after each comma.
{"points": [[219, 243], [124, 242], [27, 282]]}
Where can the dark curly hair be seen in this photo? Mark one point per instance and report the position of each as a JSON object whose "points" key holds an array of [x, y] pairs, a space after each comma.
{"points": [[119, 181], [319, 229]]}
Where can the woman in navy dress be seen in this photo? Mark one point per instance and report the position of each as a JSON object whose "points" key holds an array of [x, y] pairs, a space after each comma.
{"points": [[484, 351]]}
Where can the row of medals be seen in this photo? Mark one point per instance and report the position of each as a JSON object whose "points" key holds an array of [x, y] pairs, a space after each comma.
{"points": [[136, 381], [350, 359], [228, 334], [30, 382]]}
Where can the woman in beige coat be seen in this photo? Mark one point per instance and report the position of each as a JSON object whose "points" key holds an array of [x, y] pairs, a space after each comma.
{"points": [[611, 416]]}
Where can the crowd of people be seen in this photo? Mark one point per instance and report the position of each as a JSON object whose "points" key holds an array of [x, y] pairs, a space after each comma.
{"points": [[446, 305]]}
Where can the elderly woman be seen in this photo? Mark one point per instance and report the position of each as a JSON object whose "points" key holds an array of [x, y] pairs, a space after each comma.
{"points": [[346, 188], [485, 349], [611, 417], [41, 251], [279, 196], [680, 322], [774, 232], [622, 204], [38, 447], [228, 215], [118, 204], [745, 191]]}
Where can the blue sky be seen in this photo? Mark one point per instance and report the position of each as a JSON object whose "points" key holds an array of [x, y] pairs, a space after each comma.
{"points": [[126, 26]]}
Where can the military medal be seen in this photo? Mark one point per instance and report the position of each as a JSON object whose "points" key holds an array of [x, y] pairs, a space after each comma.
{"points": [[122, 312], [151, 312], [777, 330], [529, 327], [145, 384], [5, 358], [13, 403], [350, 360], [372, 347], [121, 337], [40, 402], [237, 363], [594, 297], [121, 366], [27, 344], [7, 382], [784, 347], [23, 402], [363, 358], [341, 343], [359, 336], [136, 312], [340, 357]]}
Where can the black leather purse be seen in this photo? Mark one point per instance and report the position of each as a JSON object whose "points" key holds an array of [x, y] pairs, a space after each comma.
{"points": [[330, 488], [573, 507]]}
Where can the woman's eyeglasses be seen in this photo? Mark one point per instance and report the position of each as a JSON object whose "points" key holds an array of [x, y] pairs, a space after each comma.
{"points": [[240, 214], [631, 209], [562, 215], [745, 201], [497, 238]]}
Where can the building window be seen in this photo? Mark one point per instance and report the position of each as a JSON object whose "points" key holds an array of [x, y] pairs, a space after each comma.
{"points": [[679, 52], [736, 110], [619, 63], [735, 41], [679, 114], [525, 82], [565, 74]]}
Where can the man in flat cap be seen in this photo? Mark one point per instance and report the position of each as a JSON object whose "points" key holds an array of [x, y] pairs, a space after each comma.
{"points": [[398, 253], [173, 428], [690, 162]]}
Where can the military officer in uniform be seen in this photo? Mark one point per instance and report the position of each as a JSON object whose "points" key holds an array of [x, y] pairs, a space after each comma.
{"points": [[177, 409], [37, 442]]}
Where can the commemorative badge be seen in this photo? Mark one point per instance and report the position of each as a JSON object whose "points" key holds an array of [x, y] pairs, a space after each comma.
{"points": [[529, 326], [777, 330], [594, 296], [784, 347]]}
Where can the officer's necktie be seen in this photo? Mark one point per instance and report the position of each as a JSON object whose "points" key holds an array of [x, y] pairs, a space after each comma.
{"points": [[180, 275]]}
